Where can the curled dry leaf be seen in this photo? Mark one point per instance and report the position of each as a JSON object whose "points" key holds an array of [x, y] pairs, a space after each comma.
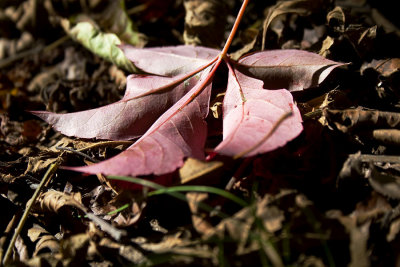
{"points": [[299, 7], [354, 119], [43, 239], [53, 201], [385, 67], [387, 136], [336, 18], [385, 183], [201, 16]]}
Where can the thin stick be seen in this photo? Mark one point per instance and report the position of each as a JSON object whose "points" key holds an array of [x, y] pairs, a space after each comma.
{"points": [[78, 153], [48, 175], [7, 231], [40, 48], [105, 143], [234, 29]]}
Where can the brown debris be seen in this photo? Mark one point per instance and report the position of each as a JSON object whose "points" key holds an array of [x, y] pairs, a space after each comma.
{"points": [[314, 202], [201, 16]]}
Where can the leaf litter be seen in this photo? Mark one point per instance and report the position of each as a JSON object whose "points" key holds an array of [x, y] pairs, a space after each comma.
{"points": [[307, 203]]}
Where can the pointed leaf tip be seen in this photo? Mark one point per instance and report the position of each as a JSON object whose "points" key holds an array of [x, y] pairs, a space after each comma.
{"points": [[180, 132], [294, 70], [128, 118]]}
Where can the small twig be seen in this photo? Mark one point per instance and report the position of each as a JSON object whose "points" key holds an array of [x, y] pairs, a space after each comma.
{"points": [[48, 175], [8, 61], [7, 231], [56, 43], [77, 152], [106, 143], [114, 232]]}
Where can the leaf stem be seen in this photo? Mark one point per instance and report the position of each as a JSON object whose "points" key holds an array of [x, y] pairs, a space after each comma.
{"points": [[234, 29], [174, 193], [180, 80]]}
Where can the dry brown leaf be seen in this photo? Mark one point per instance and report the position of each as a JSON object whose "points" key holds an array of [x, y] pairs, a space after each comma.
{"points": [[358, 225], [201, 16], [21, 249], [358, 242], [393, 230], [385, 67], [272, 216], [194, 169], [130, 253], [199, 218], [43, 239], [53, 201], [326, 46], [300, 7], [385, 183], [75, 248], [336, 19], [216, 105], [349, 120], [387, 136], [37, 164], [248, 46]]}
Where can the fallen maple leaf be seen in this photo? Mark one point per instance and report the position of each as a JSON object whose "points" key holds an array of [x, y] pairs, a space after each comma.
{"points": [[168, 109]]}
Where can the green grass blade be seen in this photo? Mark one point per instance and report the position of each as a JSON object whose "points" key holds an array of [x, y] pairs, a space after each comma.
{"points": [[198, 188], [173, 193]]}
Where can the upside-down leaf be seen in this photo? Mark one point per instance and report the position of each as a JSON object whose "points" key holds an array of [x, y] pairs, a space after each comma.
{"points": [[250, 113], [180, 132], [128, 118], [168, 109], [294, 70]]}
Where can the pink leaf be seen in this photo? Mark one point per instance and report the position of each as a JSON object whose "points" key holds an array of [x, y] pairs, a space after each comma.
{"points": [[250, 113], [292, 69], [169, 60], [180, 132], [128, 118]]}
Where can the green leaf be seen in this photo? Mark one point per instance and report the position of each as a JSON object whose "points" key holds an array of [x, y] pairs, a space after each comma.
{"points": [[102, 44]]}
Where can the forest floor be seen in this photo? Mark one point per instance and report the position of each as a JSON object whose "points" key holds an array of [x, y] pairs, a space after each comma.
{"points": [[330, 197]]}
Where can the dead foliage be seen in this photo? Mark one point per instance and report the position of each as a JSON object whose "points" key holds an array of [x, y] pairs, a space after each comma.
{"points": [[330, 197]]}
